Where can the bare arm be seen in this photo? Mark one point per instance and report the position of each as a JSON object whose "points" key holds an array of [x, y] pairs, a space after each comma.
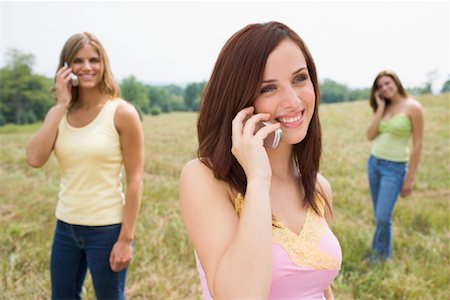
{"points": [[328, 292], [235, 253], [417, 120], [325, 186], [372, 130], [132, 146], [41, 145]]}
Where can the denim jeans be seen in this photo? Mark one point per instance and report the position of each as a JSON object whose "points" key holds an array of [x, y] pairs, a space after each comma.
{"points": [[385, 182], [77, 248]]}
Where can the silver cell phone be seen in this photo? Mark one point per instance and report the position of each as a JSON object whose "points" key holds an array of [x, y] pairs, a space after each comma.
{"points": [[73, 77], [274, 138]]}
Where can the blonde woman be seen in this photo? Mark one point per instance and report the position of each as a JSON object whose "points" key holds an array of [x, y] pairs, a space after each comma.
{"points": [[94, 134]]}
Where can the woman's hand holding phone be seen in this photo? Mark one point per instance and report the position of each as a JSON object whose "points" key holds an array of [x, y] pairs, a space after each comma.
{"points": [[63, 85], [248, 143], [381, 102]]}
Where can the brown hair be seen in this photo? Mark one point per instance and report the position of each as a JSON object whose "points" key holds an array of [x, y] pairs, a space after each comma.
{"points": [[389, 73], [234, 84], [77, 41]]}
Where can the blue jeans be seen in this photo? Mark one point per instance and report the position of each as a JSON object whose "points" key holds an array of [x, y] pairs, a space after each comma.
{"points": [[77, 248], [385, 183]]}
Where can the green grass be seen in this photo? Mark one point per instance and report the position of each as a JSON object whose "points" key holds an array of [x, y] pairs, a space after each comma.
{"points": [[12, 128], [163, 266]]}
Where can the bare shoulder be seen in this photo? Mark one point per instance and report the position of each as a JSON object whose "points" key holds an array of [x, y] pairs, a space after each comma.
{"points": [[197, 178], [414, 108], [201, 194], [126, 116], [126, 110], [414, 103], [195, 168]]}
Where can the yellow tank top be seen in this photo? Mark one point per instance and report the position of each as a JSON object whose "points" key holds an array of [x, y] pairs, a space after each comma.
{"points": [[90, 162]]}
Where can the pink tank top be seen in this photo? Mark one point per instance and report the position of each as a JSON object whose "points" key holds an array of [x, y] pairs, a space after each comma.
{"points": [[303, 265]]}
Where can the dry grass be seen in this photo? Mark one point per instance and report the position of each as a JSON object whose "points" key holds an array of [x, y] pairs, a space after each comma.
{"points": [[163, 266]]}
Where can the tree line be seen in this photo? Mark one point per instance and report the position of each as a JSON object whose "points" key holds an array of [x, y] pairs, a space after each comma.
{"points": [[25, 96]]}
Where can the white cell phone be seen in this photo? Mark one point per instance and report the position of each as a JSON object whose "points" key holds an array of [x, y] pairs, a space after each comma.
{"points": [[274, 138], [73, 77]]}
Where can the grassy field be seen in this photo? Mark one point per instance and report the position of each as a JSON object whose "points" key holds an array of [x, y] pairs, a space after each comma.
{"points": [[163, 266]]}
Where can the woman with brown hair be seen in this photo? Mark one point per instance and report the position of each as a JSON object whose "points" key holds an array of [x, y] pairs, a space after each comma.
{"points": [[396, 118], [258, 217], [95, 135]]}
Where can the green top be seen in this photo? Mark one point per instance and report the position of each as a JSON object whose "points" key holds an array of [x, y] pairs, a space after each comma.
{"points": [[392, 140]]}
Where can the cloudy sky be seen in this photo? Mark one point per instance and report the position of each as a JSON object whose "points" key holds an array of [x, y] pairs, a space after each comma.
{"points": [[178, 41]]}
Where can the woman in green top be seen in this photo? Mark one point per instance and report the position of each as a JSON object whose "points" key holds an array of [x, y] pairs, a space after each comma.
{"points": [[391, 165]]}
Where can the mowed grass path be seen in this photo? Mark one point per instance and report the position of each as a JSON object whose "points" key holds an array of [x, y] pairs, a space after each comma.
{"points": [[163, 266]]}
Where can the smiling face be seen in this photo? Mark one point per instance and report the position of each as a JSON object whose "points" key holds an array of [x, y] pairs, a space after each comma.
{"points": [[387, 87], [287, 92], [86, 64]]}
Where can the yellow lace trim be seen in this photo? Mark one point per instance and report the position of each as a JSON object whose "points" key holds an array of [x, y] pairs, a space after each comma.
{"points": [[303, 249]]}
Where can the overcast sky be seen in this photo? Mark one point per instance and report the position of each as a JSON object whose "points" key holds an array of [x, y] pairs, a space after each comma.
{"points": [[178, 42]]}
